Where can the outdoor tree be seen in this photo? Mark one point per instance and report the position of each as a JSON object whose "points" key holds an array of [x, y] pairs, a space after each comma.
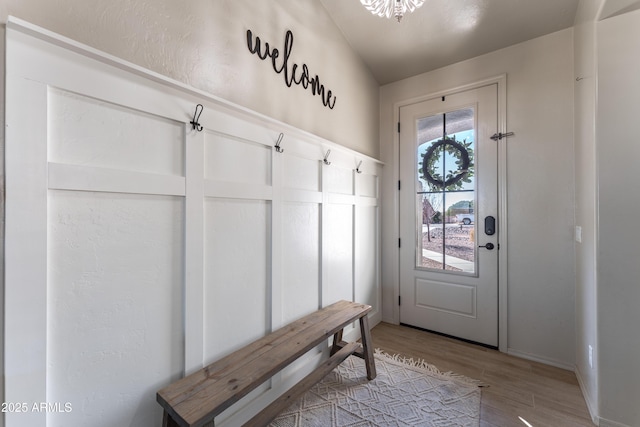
{"points": [[431, 205]]}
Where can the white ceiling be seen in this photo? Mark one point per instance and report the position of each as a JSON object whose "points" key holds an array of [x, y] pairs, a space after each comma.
{"points": [[444, 32]]}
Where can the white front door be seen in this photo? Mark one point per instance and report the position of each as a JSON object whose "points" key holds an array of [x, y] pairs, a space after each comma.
{"points": [[448, 215]]}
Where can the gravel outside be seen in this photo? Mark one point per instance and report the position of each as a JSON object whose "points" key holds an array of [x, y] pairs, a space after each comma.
{"points": [[459, 243]]}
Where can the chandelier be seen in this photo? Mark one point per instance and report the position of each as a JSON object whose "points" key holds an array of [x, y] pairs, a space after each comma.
{"points": [[389, 8]]}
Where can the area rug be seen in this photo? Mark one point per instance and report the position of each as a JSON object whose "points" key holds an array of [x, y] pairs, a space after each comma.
{"points": [[405, 393]]}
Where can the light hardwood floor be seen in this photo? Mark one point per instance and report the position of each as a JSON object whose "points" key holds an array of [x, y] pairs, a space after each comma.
{"points": [[516, 389]]}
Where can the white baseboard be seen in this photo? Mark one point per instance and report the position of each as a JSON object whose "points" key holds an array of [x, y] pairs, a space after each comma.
{"points": [[544, 360], [609, 423], [375, 318], [593, 410]]}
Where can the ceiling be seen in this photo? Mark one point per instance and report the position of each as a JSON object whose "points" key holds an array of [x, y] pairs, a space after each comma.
{"points": [[444, 32]]}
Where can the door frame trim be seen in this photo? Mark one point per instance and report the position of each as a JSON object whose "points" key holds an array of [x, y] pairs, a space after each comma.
{"points": [[503, 312]]}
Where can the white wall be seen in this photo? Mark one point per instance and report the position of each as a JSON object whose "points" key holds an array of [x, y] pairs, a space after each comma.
{"points": [[203, 43], [606, 260], [619, 239], [540, 188], [586, 201]]}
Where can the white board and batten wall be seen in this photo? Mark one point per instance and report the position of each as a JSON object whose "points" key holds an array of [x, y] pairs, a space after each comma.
{"points": [[139, 249]]}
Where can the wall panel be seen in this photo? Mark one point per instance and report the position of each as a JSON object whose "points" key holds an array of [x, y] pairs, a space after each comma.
{"points": [[150, 248], [300, 260], [366, 255], [86, 131], [237, 282], [339, 253], [301, 173], [232, 159], [339, 180], [114, 304]]}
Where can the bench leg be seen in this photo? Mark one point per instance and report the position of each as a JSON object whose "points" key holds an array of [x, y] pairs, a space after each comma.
{"points": [[337, 341], [367, 347], [167, 421]]}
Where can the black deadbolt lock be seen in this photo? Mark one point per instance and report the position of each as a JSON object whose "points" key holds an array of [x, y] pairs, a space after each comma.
{"points": [[489, 225]]}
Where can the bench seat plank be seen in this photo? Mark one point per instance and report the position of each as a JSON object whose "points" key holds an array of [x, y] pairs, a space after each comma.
{"points": [[196, 399]]}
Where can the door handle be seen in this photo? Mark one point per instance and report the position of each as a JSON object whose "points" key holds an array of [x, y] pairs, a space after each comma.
{"points": [[489, 246]]}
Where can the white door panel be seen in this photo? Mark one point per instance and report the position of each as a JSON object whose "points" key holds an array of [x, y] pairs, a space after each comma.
{"points": [[448, 283]]}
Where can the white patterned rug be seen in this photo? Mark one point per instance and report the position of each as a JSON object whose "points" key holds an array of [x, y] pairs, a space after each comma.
{"points": [[405, 393]]}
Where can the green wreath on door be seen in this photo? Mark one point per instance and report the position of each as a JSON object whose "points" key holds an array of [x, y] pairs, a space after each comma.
{"points": [[454, 180]]}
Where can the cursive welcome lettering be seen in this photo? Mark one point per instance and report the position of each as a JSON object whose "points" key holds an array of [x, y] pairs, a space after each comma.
{"points": [[292, 74]]}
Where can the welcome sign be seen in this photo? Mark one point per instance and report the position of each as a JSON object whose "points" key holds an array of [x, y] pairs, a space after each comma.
{"points": [[292, 72]]}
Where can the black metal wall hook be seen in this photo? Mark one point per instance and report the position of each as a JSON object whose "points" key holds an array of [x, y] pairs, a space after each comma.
{"points": [[196, 117], [326, 158], [278, 149], [358, 167]]}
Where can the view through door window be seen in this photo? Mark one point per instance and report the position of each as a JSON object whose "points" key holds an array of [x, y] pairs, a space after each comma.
{"points": [[445, 192]]}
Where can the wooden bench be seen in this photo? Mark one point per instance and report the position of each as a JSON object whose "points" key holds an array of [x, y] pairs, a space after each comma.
{"points": [[197, 398]]}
